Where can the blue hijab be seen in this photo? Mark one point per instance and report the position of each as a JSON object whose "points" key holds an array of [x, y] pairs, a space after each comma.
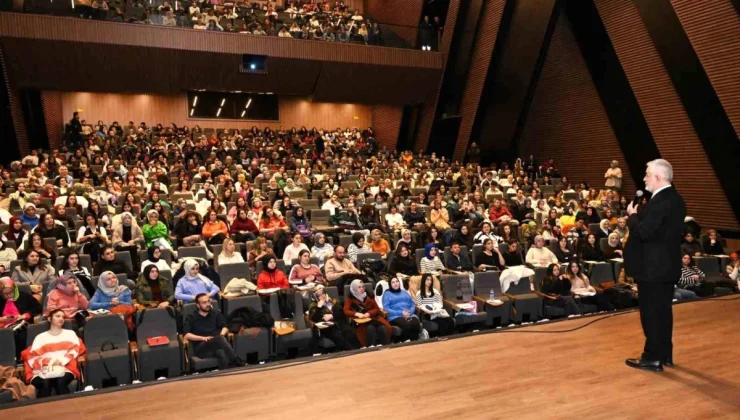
{"points": [[428, 250]]}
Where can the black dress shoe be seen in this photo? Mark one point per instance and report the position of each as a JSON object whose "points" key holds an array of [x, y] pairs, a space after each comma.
{"points": [[668, 362], [653, 366]]}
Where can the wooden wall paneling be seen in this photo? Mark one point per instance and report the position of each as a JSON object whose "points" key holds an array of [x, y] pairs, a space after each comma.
{"points": [[54, 117], [567, 121], [403, 17], [16, 112], [479, 63], [670, 125], [429, 107], [165, 109], [713, 27], [387, 124]]}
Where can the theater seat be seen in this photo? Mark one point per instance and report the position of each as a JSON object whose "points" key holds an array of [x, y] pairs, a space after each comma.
{"points": [[449, 291], [163, 360], [113, 364]]}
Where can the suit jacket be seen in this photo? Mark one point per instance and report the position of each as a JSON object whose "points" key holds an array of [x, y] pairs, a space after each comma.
{"points": [[653, 251]]}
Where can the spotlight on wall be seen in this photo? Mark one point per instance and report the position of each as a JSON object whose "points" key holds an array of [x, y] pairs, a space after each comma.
{"points": [[195, 101], [218, 113], [249, 102], [253, 63], [191, 111], [244, 112], [223, 101]]}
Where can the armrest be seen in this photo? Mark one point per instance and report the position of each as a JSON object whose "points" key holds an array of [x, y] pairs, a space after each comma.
{"points": [[545, 295], [134, 349], [82, 361], [185, 347], [449, 305], [309, 323]]}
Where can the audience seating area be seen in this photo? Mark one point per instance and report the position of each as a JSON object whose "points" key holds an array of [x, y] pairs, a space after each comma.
{"points": [[123, 198]]}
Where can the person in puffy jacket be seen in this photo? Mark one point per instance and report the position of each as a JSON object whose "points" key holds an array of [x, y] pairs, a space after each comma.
{"points": [[401, 310]]}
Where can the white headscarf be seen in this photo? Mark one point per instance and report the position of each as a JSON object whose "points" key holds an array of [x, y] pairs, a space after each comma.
{"points": [[107, 290]]}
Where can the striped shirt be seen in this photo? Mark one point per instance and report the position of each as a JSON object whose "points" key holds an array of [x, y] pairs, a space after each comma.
{"points": [[428, 266], [434, 301], [686, 280], [353, 250]]}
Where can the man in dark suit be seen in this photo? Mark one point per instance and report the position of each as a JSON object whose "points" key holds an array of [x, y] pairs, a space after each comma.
{"points": [[652, 256]]}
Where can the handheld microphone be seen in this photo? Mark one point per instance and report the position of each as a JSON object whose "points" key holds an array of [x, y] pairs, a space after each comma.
{"points": [[638, 197]]}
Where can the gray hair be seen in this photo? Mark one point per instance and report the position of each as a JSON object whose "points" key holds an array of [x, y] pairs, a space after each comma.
{"points": [[663, 168]]}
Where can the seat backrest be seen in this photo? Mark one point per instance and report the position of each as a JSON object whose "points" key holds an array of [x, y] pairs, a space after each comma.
{"points": [[332, 292], [600, 273], [125, 256], [232, 304], [521, 288], [155, 322], [485, 281], [36, 329], [232, 271], [380, 288], [345, 240], [50, 242], [419, 256], [7, 347], [368, 256], [192, 251], [298, 312], [603, 242], [102, 328], [709, 265], [449, 285]]}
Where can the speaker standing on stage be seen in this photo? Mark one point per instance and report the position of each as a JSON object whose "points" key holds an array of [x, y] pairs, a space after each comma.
{"points": [[652, 257]]}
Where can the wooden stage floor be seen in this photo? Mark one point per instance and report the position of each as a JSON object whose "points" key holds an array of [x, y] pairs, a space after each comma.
{"points": [[579, 374]]}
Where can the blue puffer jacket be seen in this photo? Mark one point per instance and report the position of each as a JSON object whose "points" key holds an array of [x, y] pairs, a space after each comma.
{"points": [[396, 303]]}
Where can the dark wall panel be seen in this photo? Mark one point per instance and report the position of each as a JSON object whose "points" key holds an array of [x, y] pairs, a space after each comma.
{"points": [[567, 121], [387, 124], [669, 123], [510, 77], [713, 27], [22, 147], [479, 63], [402, 17], [429, 108], [52, 102]]}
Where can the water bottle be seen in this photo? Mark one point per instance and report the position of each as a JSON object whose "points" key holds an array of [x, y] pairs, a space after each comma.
{"points": [[491, 295]]}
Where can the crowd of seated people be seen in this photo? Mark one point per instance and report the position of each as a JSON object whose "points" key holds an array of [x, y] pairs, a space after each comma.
{"points": [[324, 20], [301, 207]]}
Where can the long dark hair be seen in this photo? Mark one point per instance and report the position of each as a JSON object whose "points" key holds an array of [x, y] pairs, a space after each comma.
{"points": [[424, 278]]}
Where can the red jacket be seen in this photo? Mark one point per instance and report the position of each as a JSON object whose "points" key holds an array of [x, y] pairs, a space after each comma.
{"points": [[267, 280], [495, 215], [248, 225]]}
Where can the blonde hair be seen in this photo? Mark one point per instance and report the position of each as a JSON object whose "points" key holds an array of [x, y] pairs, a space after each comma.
{"points": [[223, 249]]}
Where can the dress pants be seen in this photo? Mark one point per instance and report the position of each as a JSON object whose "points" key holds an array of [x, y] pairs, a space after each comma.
{"points": [[656, 316], [216, 347]]}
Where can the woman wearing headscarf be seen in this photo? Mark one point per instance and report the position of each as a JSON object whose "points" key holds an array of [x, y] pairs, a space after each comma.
{"points": [[193, 283], [156, 232], [71, 265], [401, 310], [429, 300], [154, 257], [154, 290], [361, 308], [15, 231], [270, 277], [613, 247], [358, 246], [127, 236], [407, 238], [16, 305], [431, 263], [557, 287], [66, 296], [321, 249], [113, 297], [325, 309], [403, 262], [300, 223]]}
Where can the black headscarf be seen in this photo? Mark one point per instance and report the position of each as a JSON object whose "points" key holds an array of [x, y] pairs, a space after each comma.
{"points": [[357, 237], [150, 252], [266, 261]]}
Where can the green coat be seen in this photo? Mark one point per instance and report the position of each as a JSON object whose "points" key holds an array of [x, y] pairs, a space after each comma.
{"points": [[152, 233], [144, 294]]}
